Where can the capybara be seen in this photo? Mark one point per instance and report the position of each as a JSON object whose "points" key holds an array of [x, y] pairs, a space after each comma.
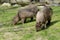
{"points": [[43, 17], [28, 12]]}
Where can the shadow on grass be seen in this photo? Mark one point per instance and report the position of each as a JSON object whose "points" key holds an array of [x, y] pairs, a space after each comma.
{"points": [[26, 22], [7, 24], [52, 23], [21, 28]]}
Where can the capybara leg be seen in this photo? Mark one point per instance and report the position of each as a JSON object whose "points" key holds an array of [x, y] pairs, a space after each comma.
{"points": [[49, 22], [45, 26], [31, 18], [22, 20], [25, 20], [38, 29]]}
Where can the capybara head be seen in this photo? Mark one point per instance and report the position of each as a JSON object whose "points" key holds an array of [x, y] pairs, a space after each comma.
{"points": [[38, 26], [15, 19]]}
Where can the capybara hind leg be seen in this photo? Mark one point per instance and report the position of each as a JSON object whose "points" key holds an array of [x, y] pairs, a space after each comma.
{"points": [[25, 20], [31, 18]]}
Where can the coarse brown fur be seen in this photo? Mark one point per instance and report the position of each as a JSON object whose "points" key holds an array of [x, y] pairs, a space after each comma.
{"points": [[43, 17], [25, 13]]}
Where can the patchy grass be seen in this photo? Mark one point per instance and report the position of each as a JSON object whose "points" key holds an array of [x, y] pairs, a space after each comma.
{"points": [[27, 31]]}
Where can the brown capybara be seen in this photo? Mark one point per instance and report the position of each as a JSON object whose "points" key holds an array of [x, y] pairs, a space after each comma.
{"points": [[43, 17], [22, 14]]}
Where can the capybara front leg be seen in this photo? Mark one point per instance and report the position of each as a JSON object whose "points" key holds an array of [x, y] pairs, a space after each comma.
{"points": [[45, 26], [49, 22], [22, 20]]}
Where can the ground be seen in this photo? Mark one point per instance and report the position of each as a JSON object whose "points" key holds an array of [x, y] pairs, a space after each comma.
{"points": [[27, 31]]}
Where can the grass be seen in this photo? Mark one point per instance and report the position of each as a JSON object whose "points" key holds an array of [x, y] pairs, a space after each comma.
{"points": [[27, 31]]}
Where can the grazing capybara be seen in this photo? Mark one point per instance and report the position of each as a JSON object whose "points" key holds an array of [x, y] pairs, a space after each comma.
{"points": [[43, 17], [25, 13]]}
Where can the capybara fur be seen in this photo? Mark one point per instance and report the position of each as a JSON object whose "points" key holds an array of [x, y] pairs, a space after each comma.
{"points": [[43, 17], [25, 13]]}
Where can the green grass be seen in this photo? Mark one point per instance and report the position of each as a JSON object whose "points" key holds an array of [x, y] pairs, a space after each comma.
{"points": [[27, 31]]}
